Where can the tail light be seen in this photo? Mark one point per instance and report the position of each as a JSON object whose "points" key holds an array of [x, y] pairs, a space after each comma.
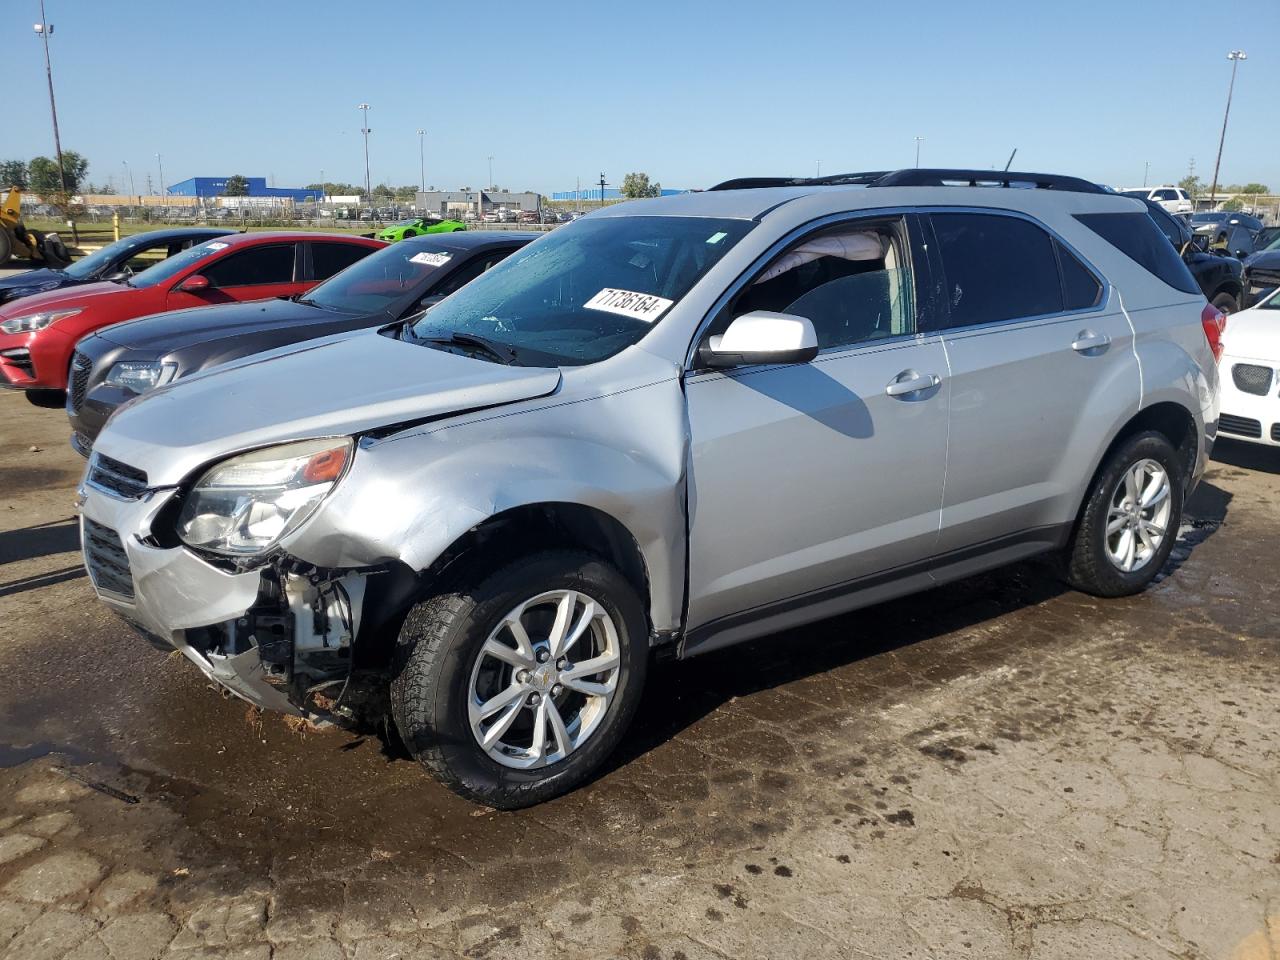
{"points": [[1214, 322]]}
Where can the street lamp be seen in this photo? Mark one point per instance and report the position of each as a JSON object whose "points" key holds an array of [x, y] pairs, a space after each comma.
{"points": [[129, 173], [1146, 170], [1235, 56], [43, 30], [364, 128], [163, 189], [422, 166], [919, 140], [491, 186]]}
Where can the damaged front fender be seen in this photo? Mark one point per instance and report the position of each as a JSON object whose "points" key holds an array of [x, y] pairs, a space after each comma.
{"points": [[410, 496]]}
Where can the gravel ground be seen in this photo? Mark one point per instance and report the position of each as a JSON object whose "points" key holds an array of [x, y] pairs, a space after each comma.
{"points": [[999, 768]]}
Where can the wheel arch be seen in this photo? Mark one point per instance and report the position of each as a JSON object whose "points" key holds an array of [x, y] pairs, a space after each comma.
{"points": [[1168, 417], [538, 526]]}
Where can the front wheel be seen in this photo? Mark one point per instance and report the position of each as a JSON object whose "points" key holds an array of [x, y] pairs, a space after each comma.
{"points": [[1130, 519], [514, 689]]}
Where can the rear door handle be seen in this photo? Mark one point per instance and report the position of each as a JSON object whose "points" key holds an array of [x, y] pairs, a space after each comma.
{"points": [[1087, 340], [908, 382]]}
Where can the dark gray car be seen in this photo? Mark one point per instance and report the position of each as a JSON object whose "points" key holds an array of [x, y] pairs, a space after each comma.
{"points": [[125, 360]]}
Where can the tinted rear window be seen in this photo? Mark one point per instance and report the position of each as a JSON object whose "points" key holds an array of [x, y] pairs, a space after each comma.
{"points": [[1138, 238]]}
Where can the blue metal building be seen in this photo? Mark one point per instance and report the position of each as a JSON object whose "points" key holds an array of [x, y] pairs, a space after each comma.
{"points": [[217, 186]]}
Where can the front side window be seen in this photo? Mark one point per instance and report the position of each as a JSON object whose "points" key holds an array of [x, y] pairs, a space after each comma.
{"points": [[257, 266], [852, 282], [166, 270], [584, 292], [997, 268]]}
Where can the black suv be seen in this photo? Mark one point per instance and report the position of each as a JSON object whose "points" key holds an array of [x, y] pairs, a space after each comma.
{"points": [[1221, 278]]}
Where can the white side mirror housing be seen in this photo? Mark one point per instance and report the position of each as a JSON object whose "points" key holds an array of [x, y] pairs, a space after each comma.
{"points": [[762, 337]]}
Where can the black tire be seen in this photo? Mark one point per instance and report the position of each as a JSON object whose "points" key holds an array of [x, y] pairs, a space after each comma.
{"points": [[437, 651], [409, 233], [6, 246], [1226, 303], [55, 252], [1089, 567], [48, 399]]}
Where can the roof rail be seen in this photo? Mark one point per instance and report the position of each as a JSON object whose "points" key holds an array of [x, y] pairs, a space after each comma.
{"points": [[923, 178], [981, 178]]}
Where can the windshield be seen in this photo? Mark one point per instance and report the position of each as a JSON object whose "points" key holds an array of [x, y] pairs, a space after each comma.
{"points": [[1138, 194], [87, 266], [383, 278], [1274, 244], [168, 269], [585, 292]]}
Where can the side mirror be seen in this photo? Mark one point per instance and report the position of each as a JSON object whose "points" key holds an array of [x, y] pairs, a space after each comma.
{"points": [[194, 284], [426, 303], [761, 337], [115, 276]]}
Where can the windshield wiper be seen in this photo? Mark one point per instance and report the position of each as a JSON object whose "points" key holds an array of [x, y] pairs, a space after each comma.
{"points": [[498, 351]]}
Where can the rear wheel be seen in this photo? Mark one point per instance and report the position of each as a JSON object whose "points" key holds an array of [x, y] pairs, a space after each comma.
{"points": [[1226, 303], [514, 689], [1130, 519]]}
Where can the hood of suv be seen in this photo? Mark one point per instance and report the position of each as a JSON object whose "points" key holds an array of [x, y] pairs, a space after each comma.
{"points": [[167, 332], [338, 386]]}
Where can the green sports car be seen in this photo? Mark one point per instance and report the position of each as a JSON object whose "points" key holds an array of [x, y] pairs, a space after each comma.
{"points": [[418, 226]]}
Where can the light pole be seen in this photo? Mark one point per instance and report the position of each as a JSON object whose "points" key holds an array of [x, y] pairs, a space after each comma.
{"points": [[491, 186], [43, 29], [422, 164], [919, 140], [364, 128], [819, 165], [129, 173], [1146, 169], [163, 189], [1235, 56]]}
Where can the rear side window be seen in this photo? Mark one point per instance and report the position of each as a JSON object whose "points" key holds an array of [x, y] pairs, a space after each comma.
{"points": [[328, 258], [253, 267], [1080, 288], [997, 268], [1138, 238]]}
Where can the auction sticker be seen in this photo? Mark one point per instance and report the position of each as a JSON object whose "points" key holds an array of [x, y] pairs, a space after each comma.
{"points": [[431, 259], [627, 303]]}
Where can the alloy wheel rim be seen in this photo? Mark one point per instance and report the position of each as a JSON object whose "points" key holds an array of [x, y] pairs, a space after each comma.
{"points": [[543, 680], [1138, 516]]}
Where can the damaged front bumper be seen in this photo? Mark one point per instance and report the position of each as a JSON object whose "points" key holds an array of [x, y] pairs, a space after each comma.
{"points": [[267, 635]]}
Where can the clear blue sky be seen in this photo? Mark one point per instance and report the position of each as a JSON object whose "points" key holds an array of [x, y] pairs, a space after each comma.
{"points": [[690, 92]]}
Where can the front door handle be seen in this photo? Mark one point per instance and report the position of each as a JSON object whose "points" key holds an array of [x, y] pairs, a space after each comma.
{"points": [[908, 382], [1087, 340]]}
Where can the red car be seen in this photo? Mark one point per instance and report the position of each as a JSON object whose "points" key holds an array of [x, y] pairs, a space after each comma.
{"points": [[38, 333]]}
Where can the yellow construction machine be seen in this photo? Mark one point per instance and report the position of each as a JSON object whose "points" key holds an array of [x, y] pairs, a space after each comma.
{"points": [[19, 243]]}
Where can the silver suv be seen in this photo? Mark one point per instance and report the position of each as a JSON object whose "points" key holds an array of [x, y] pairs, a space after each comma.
{"points": [[671, 426]]}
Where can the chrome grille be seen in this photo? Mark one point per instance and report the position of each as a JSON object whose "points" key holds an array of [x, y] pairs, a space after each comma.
{"points": [[1240, 426], [106, 561], [80, 367], [117, 478], [1251, 378]]}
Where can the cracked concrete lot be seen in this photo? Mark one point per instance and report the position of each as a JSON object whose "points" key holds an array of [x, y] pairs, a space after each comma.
{"points": [[999, 768]]}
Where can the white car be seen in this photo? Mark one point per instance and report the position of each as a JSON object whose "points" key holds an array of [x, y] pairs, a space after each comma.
{"points": [[1250, 368], [1173, 199]]}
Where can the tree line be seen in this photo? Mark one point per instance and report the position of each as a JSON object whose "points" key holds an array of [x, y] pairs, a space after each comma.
{"points": [[40, 176]]}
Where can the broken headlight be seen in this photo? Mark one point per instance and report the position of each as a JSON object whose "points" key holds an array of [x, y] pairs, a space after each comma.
{"points": [[245, 505]]}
